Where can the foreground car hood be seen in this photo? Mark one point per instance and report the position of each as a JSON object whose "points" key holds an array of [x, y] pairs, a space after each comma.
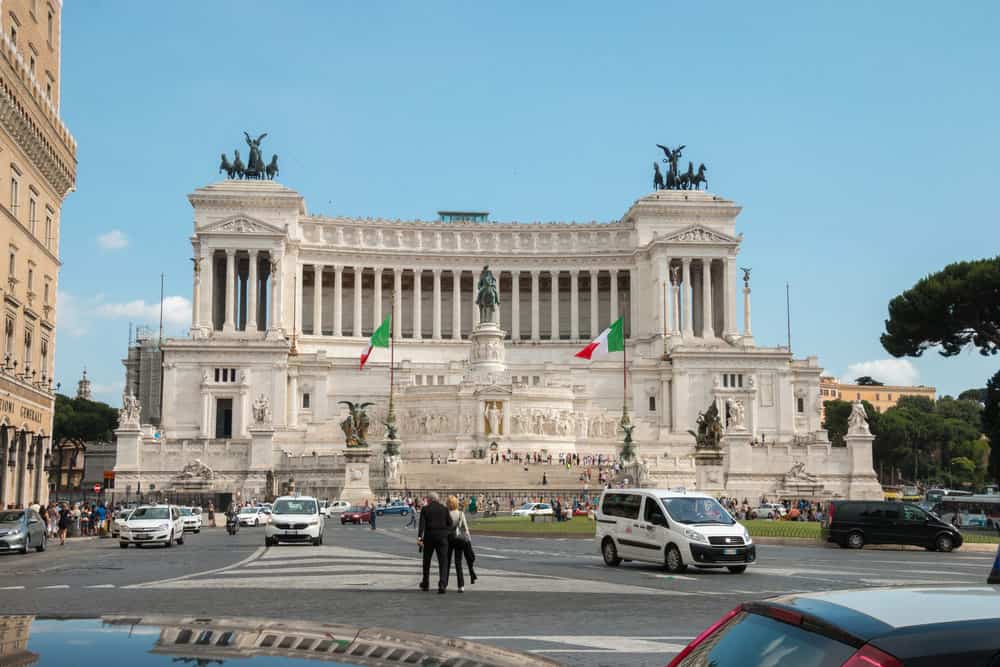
{"points": [[153, 640], [147, 523], [293, 518]]}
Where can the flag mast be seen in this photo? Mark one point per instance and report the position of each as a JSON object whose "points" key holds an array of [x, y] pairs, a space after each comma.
{"points": [[390, 417]]}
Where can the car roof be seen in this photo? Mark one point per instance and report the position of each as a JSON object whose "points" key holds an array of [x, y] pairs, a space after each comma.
{"points": [[872, 612], [663, 493], [291, 498]]}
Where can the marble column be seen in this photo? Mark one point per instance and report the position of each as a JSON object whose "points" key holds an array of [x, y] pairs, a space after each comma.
{"points": [[535, 319], [293, 399], [574, 304], [252, 294], [397, 302], [436, 309], [476, 275], [595, 326], [377, 299], [675, 308], [196, 296], [688, 298], [277, 315], [238, 297], [633, 301], [614, 295], [729, 292], [317, 300], [418, 313], [299, 290], [338, 300], [707, 327], [515, 305], [229, 325], [36, 492], [359, 272], [664, 294], [456, 305], [554, 311]]}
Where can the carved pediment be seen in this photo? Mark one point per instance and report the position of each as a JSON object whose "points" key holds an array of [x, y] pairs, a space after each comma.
{"points": [[242, 224], [697, 234], [493, 390]]}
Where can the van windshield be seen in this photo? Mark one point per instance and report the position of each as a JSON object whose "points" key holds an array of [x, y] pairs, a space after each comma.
{"points": [[692, 511]]}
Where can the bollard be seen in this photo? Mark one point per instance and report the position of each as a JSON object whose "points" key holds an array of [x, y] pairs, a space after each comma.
{"points": [[994, 577]]}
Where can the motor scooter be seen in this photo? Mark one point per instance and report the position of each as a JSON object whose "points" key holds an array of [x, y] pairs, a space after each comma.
{"points": [[232, 524]]}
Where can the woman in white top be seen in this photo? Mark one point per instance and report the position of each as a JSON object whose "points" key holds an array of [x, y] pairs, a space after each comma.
{"points": [[460, 543]]}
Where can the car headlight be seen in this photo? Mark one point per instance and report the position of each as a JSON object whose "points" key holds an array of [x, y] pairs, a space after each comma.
{"points": [[312, 522], [695, 536], [164, 525], [746, 537]]}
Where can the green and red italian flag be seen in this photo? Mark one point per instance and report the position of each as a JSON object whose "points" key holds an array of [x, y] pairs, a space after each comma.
{"points": [[379, 339], [611, 339]]}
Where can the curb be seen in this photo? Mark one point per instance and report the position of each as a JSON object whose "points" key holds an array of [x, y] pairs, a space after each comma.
{"points": [[817, 544]]}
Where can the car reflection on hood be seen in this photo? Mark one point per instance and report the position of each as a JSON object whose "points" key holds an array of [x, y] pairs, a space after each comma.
{"points": [[140, 641]]}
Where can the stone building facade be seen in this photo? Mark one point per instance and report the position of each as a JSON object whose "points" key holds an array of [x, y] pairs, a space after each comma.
{"points": [[37, 170], [284, 303]]}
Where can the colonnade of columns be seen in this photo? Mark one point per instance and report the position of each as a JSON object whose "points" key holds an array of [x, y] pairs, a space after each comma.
{"points": [[550, 309], [241, 291], [23, 462], [696, 297]]}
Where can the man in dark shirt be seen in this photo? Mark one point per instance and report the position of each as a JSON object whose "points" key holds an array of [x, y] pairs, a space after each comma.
{"points": [[432, 535]]}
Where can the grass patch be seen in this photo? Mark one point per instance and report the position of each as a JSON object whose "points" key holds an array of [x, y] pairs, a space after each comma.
{"points": [[799, 529], [579, 525]]}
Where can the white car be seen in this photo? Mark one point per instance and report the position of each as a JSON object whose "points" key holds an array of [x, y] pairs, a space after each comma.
{"points": [[119, 521], [153, 524], [533, 509], [252, 516], [192, 520], [770, 511], [295, 519], [671, 528], [336, 507]]}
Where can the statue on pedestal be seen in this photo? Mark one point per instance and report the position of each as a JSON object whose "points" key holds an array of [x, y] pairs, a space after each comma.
{"points": [[355, 426], [857, 421], [487, 295], [128, 415], [709, 435], [261, 410]]}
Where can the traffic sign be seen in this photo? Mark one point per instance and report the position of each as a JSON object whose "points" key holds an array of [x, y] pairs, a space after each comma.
{"points": [[97, 488]]}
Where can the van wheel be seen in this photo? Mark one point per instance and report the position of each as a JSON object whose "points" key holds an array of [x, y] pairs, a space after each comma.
{"points": [[180, 540], [123, 545], [41, 546], [945, 543], [610, 553], [673, 561], [855, 540], [737, 569]]}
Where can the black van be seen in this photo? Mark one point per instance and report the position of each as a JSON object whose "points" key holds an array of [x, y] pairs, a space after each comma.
{"points": [[855, 523]]}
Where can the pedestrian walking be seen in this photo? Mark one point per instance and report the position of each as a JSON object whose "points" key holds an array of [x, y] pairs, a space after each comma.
{"points": [[460, 543], [65, 519], [432, 538], [412, 523], [371, 516]]}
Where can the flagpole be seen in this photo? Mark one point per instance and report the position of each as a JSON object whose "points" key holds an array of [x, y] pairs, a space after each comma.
{"points": [[390, 417]]}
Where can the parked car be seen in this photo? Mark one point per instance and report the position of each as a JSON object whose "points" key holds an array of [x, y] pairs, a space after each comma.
{"points": [[119, 521], [21, 530], [252, 516], [336, 507], [672, 528], [534, 509], [355, 515], [770, 511], [192, 521], [862, 628], [294, 519], [395, 507], [855, 523], [153, 524]]}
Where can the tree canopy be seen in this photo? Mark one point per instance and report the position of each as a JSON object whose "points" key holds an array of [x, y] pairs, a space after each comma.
{"points": [[955, 307], [973, 395], [991, 422], [80, 421]]}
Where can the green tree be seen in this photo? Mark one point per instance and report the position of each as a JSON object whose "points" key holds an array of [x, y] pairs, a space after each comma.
{"points": [[963, 470], [836, 413], [991, 423], [957, 306], [79, 421], [977, 395]]}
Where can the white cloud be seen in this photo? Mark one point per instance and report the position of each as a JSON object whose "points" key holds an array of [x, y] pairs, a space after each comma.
{"points": [[113, 240], [888, 371], [72, 314], [176, 311]]}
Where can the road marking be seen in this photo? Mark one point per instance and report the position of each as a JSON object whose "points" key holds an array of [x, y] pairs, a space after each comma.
{"points": [[671, 576], [45, 588], [151, 584], [101, 586], [12, 588], [595, 644]]}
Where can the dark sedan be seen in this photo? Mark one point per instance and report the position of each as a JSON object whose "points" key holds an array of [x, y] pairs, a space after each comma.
{"points": [[899, 627], [356, 515]]}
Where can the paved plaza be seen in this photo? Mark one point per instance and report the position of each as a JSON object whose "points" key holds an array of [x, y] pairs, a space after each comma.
{"points": [[551, 596]]}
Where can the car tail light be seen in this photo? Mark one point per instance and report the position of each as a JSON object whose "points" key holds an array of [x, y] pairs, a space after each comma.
{"points": [[706, 633], [869, 656]]}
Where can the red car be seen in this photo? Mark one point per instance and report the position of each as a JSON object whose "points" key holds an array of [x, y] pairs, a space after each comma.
{"points": [[356, 515]]}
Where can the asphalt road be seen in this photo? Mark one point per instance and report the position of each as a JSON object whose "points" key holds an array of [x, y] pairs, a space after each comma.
{"points": [[551, 596]]}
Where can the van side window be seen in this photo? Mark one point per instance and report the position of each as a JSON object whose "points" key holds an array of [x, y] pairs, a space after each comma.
{"points": [[652, 513], [911, 513], [611, 504], [630, 506]]}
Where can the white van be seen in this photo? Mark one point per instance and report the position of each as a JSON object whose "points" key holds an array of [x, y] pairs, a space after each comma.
{"points": [[673, 528]]}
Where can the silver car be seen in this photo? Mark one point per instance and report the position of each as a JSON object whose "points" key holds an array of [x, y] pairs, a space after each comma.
{"points": [[21, 530]]}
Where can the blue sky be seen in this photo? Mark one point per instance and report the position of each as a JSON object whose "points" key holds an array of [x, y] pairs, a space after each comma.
{"points": [[862, 141]]}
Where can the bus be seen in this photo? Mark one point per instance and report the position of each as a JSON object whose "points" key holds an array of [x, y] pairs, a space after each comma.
{"points": [[934, 496], [972, 511]]}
